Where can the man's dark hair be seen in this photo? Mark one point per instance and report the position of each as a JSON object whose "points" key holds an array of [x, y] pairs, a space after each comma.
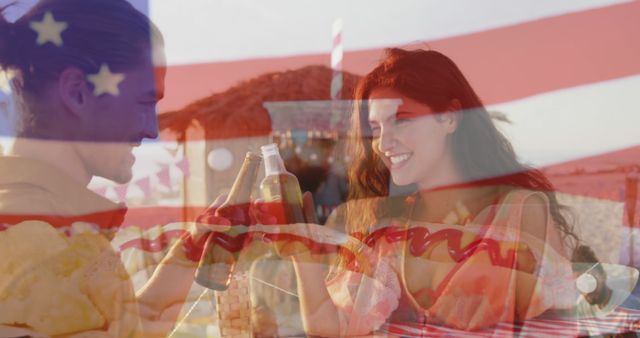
{"points": [[98, 32]]}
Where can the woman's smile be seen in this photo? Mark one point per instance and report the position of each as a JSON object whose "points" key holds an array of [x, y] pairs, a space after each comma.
{"points": [[397, 161]]}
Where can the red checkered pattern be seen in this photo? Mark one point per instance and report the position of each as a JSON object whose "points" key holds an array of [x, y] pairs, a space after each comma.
{"points": [[620, 321]]}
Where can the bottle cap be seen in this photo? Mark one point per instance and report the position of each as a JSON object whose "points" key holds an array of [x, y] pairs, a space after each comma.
{"points": [[269, 149], [273, 163]]}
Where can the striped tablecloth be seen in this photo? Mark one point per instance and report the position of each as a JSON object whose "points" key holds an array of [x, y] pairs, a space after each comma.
{"points": [[620, 321]]}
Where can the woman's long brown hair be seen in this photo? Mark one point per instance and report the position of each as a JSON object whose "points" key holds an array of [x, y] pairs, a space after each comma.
{"points": [[481, 153]]}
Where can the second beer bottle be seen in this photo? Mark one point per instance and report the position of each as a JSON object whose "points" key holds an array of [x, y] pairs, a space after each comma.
{"points": [[280, 189]]}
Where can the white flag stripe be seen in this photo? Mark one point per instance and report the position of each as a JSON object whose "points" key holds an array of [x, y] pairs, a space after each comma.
{"points": [[265, 29], [575, 122]]}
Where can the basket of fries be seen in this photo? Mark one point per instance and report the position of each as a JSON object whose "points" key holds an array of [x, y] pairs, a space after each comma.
{"points": [[234, 308]]}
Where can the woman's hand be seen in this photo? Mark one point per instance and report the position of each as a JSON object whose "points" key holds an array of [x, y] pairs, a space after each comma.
{"points": [[259, 211], [477, 296], [286, 248]]}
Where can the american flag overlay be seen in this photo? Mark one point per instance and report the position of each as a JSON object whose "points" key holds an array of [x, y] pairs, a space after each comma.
{"points": [[421, 169]]}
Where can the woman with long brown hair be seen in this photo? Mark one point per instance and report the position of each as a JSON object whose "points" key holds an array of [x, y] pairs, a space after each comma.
{"points": [[456, 230]]}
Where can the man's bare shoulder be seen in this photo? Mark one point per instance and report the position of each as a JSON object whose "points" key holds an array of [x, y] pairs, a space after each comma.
{"points": [[19, 199]]}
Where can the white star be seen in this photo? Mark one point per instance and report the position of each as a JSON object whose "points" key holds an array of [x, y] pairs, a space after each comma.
{"points": [[49, 30], [105, 81]]}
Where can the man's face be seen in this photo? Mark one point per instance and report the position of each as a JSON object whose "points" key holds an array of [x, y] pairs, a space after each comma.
{"points": [[115, 124]]}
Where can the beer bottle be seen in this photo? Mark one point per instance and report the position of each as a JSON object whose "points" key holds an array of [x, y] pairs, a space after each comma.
{"points": [[221, 250], [283, 201], [280, 189]]}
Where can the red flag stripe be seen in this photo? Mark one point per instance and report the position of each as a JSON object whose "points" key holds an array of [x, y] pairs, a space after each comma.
{"points": [[503, 64]]}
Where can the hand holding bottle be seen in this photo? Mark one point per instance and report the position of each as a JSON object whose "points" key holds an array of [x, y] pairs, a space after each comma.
{"points": [[283, 201], [222, 249], [261, 214], [259, 211], [282, 204], [211, 217]]}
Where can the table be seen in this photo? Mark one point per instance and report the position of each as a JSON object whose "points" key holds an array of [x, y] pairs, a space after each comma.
{"points": [[621, 320]]}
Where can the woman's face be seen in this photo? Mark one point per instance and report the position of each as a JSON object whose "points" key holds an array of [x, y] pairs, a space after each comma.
{"points": [[412, 141]]}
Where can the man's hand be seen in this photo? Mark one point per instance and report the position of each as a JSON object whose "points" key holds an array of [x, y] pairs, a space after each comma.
{"points": [[205, 221]]}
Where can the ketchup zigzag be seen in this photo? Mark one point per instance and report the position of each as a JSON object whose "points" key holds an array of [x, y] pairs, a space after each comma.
{"points": [[420, 240]]}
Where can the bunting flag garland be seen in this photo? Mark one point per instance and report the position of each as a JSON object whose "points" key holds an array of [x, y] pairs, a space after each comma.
{"points": [[164, 177], [145, 183], [183, 165], [121, 191], [101, 191], [145, 186], [172, 151]]}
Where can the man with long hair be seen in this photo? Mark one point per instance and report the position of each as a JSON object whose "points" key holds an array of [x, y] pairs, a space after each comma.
{"points": [[87, 80]]}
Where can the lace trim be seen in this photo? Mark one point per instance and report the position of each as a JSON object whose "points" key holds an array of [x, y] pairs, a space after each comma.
{"points": [[365, 302]]}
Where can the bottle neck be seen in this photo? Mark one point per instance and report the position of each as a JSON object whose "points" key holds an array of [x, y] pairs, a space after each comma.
{"points": [[245, 180], [274, 165]]}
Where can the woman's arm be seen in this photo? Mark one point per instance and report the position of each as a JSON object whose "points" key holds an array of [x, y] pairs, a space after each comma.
{"points": [[535, 221], [345, 305], [319, 313]]}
